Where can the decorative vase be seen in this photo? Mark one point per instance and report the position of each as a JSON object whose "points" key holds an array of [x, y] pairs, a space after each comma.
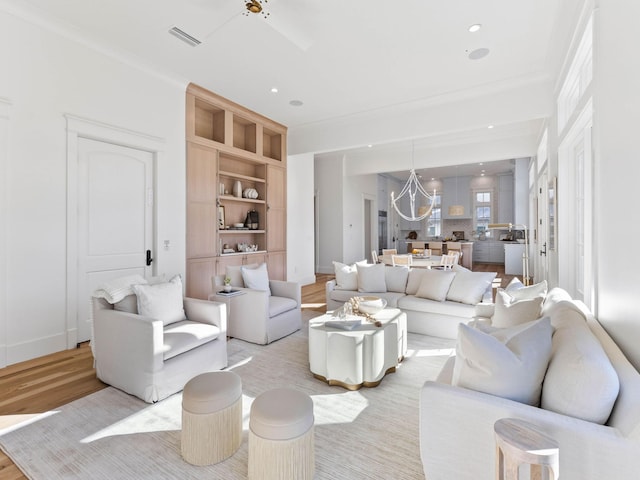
{"points": [[227, 288], [237, 189]]}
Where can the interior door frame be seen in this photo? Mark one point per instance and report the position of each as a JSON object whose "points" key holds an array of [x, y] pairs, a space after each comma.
{"points": [[78, 127], [5, 110]]}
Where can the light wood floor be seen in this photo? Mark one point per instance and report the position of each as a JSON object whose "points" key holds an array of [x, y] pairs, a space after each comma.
{"points": [[45, 383]]}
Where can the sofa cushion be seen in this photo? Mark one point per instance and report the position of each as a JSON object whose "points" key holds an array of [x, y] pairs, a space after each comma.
{"points": [[555, 296], [435, 284], [128, 304], [371, 277], [508, 313], [278, 305], [392, 298], [256, 278], [162, 301], [346, 276], [580, 381], [446, 308], [396, 278], [469, 287], [507, 362], [180, 337]]}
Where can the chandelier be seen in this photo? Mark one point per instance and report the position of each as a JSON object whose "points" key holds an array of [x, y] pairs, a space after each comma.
{"points": [[413, 188]]}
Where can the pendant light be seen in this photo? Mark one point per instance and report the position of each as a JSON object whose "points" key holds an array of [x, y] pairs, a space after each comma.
{"points": [[456, 210], [412, 188]]}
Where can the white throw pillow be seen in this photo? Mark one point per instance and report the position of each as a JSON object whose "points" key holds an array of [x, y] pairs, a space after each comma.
{"points": [[346, 276], [234, 272], [435, 284], [513, 285], [371, 277], [162, 301], [414, 280], [523, 293], [396, 278], [256, 278], [580, 381], [508, 313], [469, 287], [508, 362]]}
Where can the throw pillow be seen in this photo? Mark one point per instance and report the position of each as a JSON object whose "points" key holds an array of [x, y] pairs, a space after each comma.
{"points": [[469, 287], [508, 313], [396, 278], [513, 285], [371, 277], [508, 362], [537, 290], [256, 278], [435, 284], [346, 276], [414, 280], [580, 381], [234, 272], [162, 301], [128, 304]]}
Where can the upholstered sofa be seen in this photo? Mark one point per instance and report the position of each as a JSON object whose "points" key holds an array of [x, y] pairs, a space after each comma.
{"points": [[435, 301], [589, 403]]}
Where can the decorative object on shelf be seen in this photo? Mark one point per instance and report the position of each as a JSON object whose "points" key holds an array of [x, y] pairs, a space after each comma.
{"points": [[221, 189], [525, 254], [412, 188], [456, 210], [237, 189], [252, 221], [221, 221], [245, 247], [227, 284], [251, 193]]}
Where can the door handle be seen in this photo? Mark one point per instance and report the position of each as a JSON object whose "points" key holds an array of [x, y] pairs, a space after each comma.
{"points": [[544, 249], [149, 259]]}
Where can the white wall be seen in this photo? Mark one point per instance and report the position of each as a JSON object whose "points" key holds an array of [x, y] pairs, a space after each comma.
{"points": [[617, 156], [329, 175], [45, 76], [355, 189], [300, 224]]}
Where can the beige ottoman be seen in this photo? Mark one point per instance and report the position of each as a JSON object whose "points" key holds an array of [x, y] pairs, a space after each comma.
{"points": [[281, 443], [211, 417]]}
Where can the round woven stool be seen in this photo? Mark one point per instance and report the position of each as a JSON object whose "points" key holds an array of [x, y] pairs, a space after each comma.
{"points": [[281, 439], [211, 417]]}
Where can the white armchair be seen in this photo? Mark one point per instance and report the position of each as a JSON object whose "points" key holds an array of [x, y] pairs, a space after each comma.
{"points": [[257, 317], [142, 356]]}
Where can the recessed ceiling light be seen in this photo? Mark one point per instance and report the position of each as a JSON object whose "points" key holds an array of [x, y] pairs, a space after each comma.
{"points": [[296, 103], [475, 27], [482, 174], [274, 90], [432, 178], [490, 126], [369, 146], [479, 53], [481, 164]]}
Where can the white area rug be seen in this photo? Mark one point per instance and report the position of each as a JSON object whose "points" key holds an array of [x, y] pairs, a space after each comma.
{"points": [[370, 433]]}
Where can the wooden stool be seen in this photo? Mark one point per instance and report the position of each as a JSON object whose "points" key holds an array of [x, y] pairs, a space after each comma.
{"points": [[281, 443], [519, 442], [211, 417]]}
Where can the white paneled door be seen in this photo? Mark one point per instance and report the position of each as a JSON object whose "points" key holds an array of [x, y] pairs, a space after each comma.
{"points": [[115, 219]]}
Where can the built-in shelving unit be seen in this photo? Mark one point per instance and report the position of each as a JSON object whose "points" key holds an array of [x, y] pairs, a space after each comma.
{"points": [[227, 143]]}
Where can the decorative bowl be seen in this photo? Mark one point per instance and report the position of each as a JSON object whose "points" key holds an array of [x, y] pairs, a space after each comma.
{"points": [[520, 240], [238, 225], [371, 305]]}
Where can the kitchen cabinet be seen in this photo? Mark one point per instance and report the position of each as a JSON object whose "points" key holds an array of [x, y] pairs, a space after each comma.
{"points": [[488, 252], [456, 191], [496, 252]]}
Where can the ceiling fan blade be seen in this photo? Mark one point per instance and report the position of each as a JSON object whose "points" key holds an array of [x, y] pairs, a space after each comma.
{"points": [[294, 20]]}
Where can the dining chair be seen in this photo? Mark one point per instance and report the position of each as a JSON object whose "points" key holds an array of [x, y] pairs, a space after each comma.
{"points": [[454, 247], [374, 256], [389, 251], [401, 260], [436, 247], [446, 262]]}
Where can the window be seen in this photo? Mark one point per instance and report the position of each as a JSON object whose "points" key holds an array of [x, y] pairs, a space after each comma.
{"points": [[482, 209], [434, 221]]}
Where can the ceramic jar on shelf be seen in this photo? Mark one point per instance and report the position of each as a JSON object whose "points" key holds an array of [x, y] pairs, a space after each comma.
{"points": [[237, 189]]}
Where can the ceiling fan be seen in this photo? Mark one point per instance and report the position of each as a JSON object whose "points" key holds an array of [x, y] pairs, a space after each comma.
{"points": [[255, 6]]}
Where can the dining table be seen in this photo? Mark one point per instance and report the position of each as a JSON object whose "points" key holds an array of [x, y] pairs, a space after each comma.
{"points": [[418, 261]]}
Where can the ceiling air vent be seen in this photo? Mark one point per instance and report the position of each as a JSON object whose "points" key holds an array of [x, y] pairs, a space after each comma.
{"points": [[184, 36]]}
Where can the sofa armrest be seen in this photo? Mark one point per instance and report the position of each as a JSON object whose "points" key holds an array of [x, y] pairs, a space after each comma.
{"points": [[204, 311], [128, 339], [290, 290], [454, 420]]}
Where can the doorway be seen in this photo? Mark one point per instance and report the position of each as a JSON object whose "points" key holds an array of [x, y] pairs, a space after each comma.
{"points": [[110, 213]]}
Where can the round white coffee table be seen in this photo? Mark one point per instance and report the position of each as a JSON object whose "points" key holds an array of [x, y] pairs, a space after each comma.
{"points": [[358, 357]]}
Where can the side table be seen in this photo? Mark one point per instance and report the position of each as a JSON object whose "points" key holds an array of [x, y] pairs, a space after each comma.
{"points": [[519, 442]]}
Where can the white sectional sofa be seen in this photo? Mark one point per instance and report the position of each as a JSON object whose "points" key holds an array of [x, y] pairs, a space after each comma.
{"points": [[435, 301], [590, 404]]}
